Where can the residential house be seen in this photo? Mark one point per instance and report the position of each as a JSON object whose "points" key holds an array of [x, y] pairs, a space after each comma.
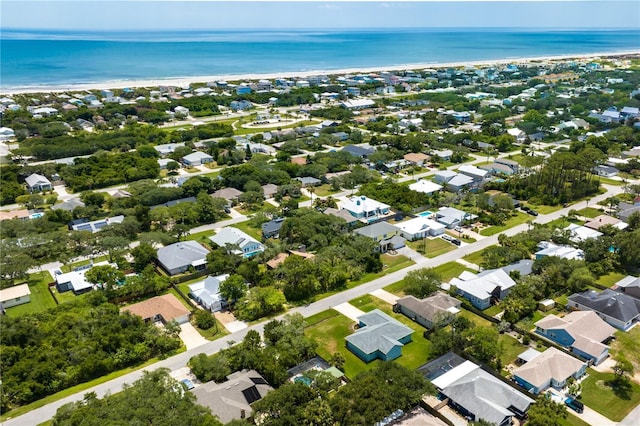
{"points": [[425, 186], [444, 176], [165, 308], [439, 309], [243, 89], [97, 225], [307, 181], [359, 151], [271, 229], [207, 292], [617, 309], [478, 175], [444, 154], [6, 134], [13, 296], [22, 214], [269, 190], [240, 105], [606, 171], [342, 214], [73, 281], [178, 257], [483, 288], [69, 205], [459, 182], [513, 165], [603, 220], [579, 233], [452, 217], [417, 159], [357, 104], [366, 209], [563, 252], [584, 332], [551, 368], [164, 162], [379, 336], [240, 242], [387, 236], [629, 285], [625, 210], [232, 399], [230, 194], [340, 136], [167, 148], [474, 392], [197, 158], [38, 183], [498, 169], [518, 134], [419, 228]]}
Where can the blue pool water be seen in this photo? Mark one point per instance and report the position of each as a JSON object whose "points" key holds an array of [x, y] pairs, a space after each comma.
{"points": [[425, 213], [304, 380]]}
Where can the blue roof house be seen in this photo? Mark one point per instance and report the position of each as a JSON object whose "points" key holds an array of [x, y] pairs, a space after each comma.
{"points": [[379, 337]]}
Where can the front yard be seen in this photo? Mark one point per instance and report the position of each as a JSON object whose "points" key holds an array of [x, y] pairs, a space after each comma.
{"points": [[598, 394], [518, 219], [431, 247]]}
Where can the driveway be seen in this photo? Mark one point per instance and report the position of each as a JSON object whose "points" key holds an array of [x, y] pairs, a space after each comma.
{"points": [[385, 295], [349, 311], [411, 254], [190, 337]]}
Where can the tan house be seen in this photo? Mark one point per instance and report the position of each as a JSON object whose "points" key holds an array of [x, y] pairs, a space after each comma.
{"points": [[13, 296], [417, 159], [163, 308]]}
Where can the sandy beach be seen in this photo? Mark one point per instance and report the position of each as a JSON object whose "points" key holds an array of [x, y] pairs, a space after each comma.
{"points": [[185, 81]]}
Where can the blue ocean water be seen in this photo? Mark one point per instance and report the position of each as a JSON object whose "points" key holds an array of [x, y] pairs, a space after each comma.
{"points": [[33, 58]]}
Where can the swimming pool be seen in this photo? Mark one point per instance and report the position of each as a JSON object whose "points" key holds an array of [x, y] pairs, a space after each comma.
{"points": [[425, 213], [36, 215]]}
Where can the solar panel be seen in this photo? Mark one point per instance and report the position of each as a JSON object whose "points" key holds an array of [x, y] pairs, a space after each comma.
{"points": [[251, 394], [84, 227], [259, 381]]}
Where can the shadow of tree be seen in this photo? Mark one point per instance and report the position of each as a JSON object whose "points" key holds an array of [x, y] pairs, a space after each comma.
{"points": [[621, 387]]}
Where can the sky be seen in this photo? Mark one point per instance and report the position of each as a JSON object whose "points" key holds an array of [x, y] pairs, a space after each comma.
{"points": [[220, 15]]}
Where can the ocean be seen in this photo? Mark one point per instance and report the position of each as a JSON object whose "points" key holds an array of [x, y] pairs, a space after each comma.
{"points": [[35, 58]]}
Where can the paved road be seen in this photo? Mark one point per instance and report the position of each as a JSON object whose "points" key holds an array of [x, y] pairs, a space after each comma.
{"points": [[178, 361]]}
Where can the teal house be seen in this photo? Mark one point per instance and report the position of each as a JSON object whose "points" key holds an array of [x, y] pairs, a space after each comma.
{"points": [[379, 337]]}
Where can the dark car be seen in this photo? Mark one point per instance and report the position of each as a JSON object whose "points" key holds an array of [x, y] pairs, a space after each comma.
{"points": [[456, 242], [532, 212], [574, 404]]}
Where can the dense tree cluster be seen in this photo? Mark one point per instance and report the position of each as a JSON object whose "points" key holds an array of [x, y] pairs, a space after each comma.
{"points": [[398, 196], [83, 341], [371, 396], [154, 399]]}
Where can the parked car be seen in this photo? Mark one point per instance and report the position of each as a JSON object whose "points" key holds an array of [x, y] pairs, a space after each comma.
{"points": [[574, 404], [532, 212], [456, 242]]}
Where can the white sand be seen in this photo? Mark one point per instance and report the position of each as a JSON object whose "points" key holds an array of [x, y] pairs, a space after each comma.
{"points": [[185, 81]]}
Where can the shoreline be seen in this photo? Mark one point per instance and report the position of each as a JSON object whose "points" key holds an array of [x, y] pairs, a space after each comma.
{"points": [[180, 81]]}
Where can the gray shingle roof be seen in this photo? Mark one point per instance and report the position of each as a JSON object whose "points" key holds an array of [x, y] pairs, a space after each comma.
{"points": [[377, 229], [611, 303], [380, 332], [181, 254]]}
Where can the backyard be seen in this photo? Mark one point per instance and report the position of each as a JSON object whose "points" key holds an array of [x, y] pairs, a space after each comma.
{"points": [[41, 299]]}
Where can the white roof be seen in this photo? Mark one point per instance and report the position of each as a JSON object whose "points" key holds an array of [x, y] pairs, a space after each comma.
{"points": [[472, 170], [483, 284], [76, 278], [196, 155], [564, 252], [582, 233], [514, 132], [358, 103], [460, 180], [454, 374], [362, 203], [413, 226], [425, 186], [14, 292]]}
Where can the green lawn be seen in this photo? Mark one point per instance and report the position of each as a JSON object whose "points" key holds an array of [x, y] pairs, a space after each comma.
{"points": [[611, 278], [245, 131], [41, 299], [324, 190], [330, 333], [572, 420], [476, 256], [493, 310], [481, 322], [215, 332], [563, 222], [414, 354], [201, 237], [598, 395], [511, 348], [611, 181], [431, 247], [251, 231], [628, 344], [518, 219], [446, 272], [590, 212], [543, 209], [68, 296]]}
